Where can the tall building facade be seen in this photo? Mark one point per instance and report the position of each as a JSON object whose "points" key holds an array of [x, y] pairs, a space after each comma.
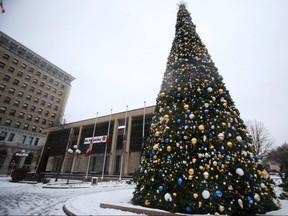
{"points": [[123, 151], [33, 96]]}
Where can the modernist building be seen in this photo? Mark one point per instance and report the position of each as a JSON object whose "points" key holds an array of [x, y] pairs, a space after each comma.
{"points": [[128, 147], [33, 96]]}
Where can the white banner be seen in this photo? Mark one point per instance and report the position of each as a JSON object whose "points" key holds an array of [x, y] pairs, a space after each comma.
{"points": [[98, 139]]}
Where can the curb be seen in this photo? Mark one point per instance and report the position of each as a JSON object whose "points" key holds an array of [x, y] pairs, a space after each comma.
{"points": [[138, 210], [67, 212]]}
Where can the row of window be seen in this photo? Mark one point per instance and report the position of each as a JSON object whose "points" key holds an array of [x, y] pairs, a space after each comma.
{"points": [[23, 66], [24, 85], [22, 114], [25, 140], [26, 125], [8, 99]]}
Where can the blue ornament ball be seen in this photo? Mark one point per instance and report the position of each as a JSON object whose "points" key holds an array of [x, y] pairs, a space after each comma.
{"points": [[160, 188], [166, 140], [250, 199], [180, 180], [188, 209], [188, 112], [218, 193], [178, 121], [169, 157]]}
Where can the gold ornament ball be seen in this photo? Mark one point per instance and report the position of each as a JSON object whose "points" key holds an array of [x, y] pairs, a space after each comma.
{"points": [[195, 195], [190, 177], [147, 202], [229, 144], [168, 148], [221, 208], [179, 88], [201, 127], [194, 140], [186, 106], [191, 171]]}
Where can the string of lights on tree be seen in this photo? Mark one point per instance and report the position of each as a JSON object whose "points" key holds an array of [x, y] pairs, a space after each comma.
{"points": [[198, 157]]}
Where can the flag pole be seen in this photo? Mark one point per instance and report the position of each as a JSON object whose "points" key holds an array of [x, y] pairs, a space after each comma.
{"points": [[124, 144], [106, 144], [88, 165], [143, 131]]}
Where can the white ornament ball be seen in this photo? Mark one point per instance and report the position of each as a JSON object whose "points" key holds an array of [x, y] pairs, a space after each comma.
{"points": [[209, 89], [168, 197], [239, 171], [221, 136], [257, 197], [191, 116], [206, 175], [239, 138], [205, 194]]}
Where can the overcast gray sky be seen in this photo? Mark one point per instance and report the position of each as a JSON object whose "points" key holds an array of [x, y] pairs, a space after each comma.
{"points": [[117, 50]]}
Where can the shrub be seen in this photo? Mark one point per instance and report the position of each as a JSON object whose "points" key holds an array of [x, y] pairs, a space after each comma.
{"points": [[19, 174]]}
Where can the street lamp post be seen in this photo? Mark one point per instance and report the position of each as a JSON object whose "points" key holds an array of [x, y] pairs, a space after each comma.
{"points": [[21, 154], [73, 151]]}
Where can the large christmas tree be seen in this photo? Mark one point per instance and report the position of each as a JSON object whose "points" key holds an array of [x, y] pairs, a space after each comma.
{"points": [[198, 157]]}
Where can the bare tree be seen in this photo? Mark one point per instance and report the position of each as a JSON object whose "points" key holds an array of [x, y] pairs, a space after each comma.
{"points": [[280, 156], [261, 138]]}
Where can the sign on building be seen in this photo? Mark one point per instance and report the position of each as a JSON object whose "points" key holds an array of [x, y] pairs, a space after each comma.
{"points": [[97, 139]]}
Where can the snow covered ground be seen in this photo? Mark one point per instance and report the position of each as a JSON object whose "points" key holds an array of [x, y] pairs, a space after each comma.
{"points": [[81, 199]]}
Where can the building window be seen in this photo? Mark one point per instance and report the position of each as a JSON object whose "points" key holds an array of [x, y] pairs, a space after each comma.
{"points": [[6, 78], [51, 80], [36, 100], [15, 61], [28, 77], [11, 137], [8, 122], [46, 114], [28, 97], [53, 115], [21, 115], [12, 112], [11, 90], [23, 65], [6, 56], [24, 139], [58, 100], [17, 124], [50, 123], [19, 73], [46, 95], [44, 77], [11, 69], [33, 129], [32, 108], [16, 103], [16, 82], [42, 84], [52, 97], [20, 94], [2, 65], [40, 111], [60, 93], [49, 105], [24, 85], [62, 86], [54, 90], [25, 106], [35, 81], [48, 87], [3, 109], [56, 83], [32, 89], [26, 126], [3, 135], [36, 141], [29, 117], [56, 108], [43, 121], [43, 102], [38, 73], [31, 70], [37, 119], [7, 100], [2, 86], [39, 92]]}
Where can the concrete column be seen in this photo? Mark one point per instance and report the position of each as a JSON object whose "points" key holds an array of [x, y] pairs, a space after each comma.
{"points": [[66, 153], [113, 148], [127, 147]]}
